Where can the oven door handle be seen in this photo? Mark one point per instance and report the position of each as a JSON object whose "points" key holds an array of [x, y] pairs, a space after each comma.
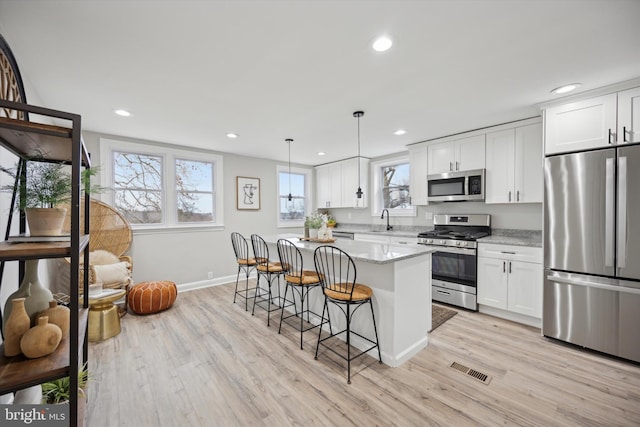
{"points": [[453, 250]]}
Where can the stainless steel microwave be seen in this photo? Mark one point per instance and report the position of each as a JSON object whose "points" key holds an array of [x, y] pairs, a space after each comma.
{"points": [[456, 186]]}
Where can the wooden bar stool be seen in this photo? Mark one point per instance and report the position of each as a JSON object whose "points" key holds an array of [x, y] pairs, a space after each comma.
{"points": [[268, 269], [300, 281], [246, 263], [337, 273]]}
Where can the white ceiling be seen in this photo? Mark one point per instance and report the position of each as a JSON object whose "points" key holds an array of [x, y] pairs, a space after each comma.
{"points": [[190, 71]]}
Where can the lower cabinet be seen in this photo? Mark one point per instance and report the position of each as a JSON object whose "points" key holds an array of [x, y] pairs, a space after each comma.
{"points": [[510, 278]]}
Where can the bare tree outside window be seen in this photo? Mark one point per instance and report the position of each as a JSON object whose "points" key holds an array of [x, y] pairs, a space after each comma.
{"points": [[194, 191], [138, 187], [395, 186]]}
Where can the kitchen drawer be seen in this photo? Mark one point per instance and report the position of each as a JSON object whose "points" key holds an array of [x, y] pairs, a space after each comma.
{"points": [[511, 253]]}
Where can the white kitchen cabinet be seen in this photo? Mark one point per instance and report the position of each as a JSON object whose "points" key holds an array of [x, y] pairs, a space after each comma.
{"points": [[349, 182], [511, 278], [606, 120], [418, 175], [514, 165], [457, 155], [337, 182], [629, 116]]}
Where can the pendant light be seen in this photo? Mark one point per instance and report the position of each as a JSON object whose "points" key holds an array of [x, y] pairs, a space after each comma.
{"points": [[357, 115], [289, 141]]}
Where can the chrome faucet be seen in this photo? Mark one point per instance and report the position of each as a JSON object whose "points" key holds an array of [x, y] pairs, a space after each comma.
{"points": [[382, 217]]}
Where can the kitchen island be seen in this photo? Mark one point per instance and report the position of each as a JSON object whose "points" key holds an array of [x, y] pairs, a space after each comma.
{"points": [[400, 276]]}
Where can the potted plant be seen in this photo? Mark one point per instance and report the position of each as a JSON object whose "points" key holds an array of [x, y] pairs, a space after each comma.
{"points": [[48, 185], [57, 391], [313, 222]]}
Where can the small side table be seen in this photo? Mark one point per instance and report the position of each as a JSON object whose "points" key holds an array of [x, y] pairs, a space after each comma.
{"points": [[104, 321]]}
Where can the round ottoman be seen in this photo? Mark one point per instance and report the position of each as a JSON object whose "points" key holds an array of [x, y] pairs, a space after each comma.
{"points": [[152, 297]]}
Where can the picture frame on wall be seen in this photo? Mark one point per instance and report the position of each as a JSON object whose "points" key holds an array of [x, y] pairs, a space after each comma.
{"points": [[247, 193]]}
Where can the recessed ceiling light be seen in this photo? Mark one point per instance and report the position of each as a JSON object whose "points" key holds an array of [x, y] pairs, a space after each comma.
{"points": [[566, 88], [123, 113], [382, 43], [320, 153], [400, 132], [232, 135]]}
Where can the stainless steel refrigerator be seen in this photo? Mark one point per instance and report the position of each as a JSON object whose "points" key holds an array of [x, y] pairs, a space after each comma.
{"points": [[592, 250]]}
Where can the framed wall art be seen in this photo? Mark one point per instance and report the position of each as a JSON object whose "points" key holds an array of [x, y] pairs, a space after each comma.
{"points": [[247, 193]]}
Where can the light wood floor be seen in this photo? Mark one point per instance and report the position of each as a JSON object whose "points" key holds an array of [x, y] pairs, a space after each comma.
{"points": [[207, 362]]}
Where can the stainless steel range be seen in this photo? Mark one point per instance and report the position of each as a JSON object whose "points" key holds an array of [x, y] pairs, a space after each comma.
{"points": [[454, 264]]}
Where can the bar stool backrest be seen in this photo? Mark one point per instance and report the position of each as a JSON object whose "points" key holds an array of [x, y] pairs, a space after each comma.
{"points": [[260, 250], [336, 270], [291, 259], [240, 247]]}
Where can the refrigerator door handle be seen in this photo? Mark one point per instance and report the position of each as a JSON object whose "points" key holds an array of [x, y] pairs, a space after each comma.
{"points": [[585, 283], [609, 220], [622, 212]]}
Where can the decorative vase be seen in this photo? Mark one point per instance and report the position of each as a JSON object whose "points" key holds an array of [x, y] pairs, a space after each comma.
{"points": [[58, 315], [45, 221], [23, 292], [40, 296], [41, 340], [313, 233], [17, 325]]}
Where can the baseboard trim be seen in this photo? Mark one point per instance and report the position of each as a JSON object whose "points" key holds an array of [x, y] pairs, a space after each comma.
{"points": [[184, 287]]}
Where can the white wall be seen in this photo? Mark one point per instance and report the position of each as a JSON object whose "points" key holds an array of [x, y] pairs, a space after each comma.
{"points": [[187, 256]]}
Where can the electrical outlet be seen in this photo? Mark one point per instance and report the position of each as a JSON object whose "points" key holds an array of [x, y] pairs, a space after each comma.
{"points": [[210, 275], [348, 215], [428, 215]]}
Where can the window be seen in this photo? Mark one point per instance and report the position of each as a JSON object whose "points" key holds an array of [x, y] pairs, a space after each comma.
{"points": [[156, 187], [391, 187], [292, 213]]}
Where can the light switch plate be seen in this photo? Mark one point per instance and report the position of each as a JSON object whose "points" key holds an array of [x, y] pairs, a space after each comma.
{"points": [[428, 215]]}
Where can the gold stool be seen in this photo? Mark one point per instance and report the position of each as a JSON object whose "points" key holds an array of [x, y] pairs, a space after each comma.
{"points": [[104, 321]]}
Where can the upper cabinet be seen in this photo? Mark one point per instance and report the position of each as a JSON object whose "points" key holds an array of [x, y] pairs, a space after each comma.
{"points": [[418, 175], [629, 116], [593, 123], [337, 183], [514, 165], [457, 155]]}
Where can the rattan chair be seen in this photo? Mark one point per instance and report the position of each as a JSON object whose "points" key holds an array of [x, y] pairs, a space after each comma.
{"points": [[111, 232], [337, 273], [268, 269], [246, 263], [301, 282]]}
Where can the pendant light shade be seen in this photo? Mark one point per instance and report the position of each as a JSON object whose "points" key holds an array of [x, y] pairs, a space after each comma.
{"points": [[357, 115], [289, 141]]}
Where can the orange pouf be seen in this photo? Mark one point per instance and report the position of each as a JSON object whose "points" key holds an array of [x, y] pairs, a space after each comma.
{"points": [[152, 297]]}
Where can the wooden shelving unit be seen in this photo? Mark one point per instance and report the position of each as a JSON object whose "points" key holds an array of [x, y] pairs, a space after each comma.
{"points": [[59, 144]]}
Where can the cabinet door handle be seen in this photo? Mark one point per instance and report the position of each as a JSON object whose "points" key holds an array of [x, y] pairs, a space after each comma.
{"points": [[507, 252], [509, 267], [509, 195], [624, 134], [457, 167], [504, 266], [450, 166], [611, 137], [518, 196]]}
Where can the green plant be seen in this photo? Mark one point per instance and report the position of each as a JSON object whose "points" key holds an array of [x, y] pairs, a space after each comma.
{"points": [[314, 220], [57, 391], [48, 184]]}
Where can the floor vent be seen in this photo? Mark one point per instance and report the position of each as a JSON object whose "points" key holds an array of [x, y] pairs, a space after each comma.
{"points": [[483, 378]]}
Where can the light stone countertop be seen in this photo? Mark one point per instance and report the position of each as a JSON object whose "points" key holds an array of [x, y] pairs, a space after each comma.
{"points": [[373, 252], [499, 236]]}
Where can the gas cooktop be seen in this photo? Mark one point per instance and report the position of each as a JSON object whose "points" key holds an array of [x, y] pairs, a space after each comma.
{"points": [[456, 230]]}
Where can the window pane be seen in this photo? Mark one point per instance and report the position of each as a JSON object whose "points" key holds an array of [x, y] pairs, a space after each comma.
{"points": [[138, 187], [395, 186], [140, 207], [297, 184], [194, 191], [291, 210]]}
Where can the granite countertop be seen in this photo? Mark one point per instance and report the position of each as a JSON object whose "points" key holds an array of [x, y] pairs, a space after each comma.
{"points": [[500, 236], [373, 252], [381, 230]]}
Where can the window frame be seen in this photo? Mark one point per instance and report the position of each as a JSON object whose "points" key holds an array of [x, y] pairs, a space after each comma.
{"points": [[377, 203], [169, 156], [308, 199]]}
